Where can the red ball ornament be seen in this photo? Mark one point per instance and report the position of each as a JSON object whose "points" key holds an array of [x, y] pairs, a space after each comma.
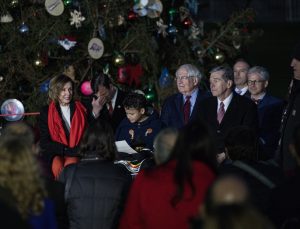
{"points": [[122, 75], [86, 88], [132, 16], [187, 22]]}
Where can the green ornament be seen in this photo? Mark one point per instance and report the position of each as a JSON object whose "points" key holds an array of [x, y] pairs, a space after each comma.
{"points": [[67, 2], [172, 11], [151, 94]]}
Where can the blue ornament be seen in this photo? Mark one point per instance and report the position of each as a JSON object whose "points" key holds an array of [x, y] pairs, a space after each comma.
{"points": [[44, 87], [171, 30], [192, 5], [23, 28], [165, 78]]}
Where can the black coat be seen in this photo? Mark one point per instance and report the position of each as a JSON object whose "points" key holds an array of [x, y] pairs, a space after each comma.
{"points": [[97, 193], [241, 111]]}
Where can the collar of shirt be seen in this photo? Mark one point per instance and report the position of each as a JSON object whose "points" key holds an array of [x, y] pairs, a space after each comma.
{"points": [[261, 96], [193, 98], [226, 102], [244, 90], [113, 100]]}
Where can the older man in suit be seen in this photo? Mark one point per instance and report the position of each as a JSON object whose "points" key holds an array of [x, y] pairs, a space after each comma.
{"points": [[226, 108], [269, 108], [182, 107]]}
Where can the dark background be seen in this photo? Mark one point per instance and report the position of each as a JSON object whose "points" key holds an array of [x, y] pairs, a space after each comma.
{"points": [[280, 21]]}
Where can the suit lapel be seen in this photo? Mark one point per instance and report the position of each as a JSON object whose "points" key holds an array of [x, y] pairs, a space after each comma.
{"points": [[230, 109], [179, 105]]}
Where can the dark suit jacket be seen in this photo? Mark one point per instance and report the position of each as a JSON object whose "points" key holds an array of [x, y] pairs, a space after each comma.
{"points": [[118, 113], [172, 110], [269, 113], [241, 111]]}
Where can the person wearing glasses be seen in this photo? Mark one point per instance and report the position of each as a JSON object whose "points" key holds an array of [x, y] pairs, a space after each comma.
{"points": [[182, 107], [269, 110], [226, 109]]}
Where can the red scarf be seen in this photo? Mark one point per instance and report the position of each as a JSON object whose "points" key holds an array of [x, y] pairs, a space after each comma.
{"points": [[78, 124], [57, 133]]}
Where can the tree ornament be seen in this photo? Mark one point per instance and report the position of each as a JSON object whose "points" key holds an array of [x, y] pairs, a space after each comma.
{"points": [[38, 62], [1, 78], [44, 87], [67, 42], [76, 18], [172, 13], [132, 15], [24, 29], [151, 94], [120, 20], [119, 60], [95, 48], [69, 71], [154, 8], [6, 18], [14, 3], [219, 56], [122, 76], [236, 38], [54, 7], [86, 88], [165, 78], [135, 73], [161, 28], [101, 29], [187, 22], [67, 2]]}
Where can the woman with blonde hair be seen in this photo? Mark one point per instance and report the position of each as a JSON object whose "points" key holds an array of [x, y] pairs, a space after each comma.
{"points": [[20, 179]]}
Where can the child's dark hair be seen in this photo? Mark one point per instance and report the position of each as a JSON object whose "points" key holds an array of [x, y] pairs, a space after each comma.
{"points": [[135, 100]]}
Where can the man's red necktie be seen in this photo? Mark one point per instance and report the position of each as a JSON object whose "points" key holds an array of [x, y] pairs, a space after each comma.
{"points": [[187, 109]]}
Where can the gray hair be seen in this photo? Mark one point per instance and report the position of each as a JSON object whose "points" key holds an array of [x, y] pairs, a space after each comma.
{"points": [[163, 144], [261, 71], [192, 71], [227, 72]]}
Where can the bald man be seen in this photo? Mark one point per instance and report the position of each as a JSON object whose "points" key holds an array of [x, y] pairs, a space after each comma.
{"points": [[227, 190]]}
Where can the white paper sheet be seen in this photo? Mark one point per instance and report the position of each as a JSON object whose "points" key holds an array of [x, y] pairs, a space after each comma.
{"points": [[122, 146]]}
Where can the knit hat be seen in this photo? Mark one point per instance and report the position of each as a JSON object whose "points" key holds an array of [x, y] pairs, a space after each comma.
{"points": [[296, 52]]}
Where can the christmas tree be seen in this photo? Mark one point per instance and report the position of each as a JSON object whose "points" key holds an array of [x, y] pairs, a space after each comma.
{"points": [[139, 43]]}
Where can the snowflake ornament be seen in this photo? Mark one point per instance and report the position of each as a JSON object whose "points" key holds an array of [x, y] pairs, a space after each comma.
{"points": [[162, 27], [76, 18]]}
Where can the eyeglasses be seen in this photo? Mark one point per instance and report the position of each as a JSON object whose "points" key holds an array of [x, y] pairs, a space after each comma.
{"points": [[182, 78], [252, 82]]}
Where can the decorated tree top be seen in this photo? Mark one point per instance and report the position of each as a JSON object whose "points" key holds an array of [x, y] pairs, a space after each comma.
{"points": [[140, 43]]}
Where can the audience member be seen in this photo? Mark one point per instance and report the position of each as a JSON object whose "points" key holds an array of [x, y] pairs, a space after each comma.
{"points": [[110, 100], [240, 69], [55, 190], [269, 108], [291, 116], [285, 199], [62, 124], [138, 128], [163, 144], [169, 195], [226, 109], [22, 185], [261, 177], [96, 188], [183, 107], [236, 216]]}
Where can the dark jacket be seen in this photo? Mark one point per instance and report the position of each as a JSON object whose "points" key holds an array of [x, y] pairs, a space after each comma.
{"points": [[97, 193], [172, 110], [143, 132], [291, 117], [241, 111], [50, 148], [270, 111]]}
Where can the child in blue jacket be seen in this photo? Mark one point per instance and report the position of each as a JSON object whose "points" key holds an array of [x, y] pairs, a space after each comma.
{"points": [[139, 128]]}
